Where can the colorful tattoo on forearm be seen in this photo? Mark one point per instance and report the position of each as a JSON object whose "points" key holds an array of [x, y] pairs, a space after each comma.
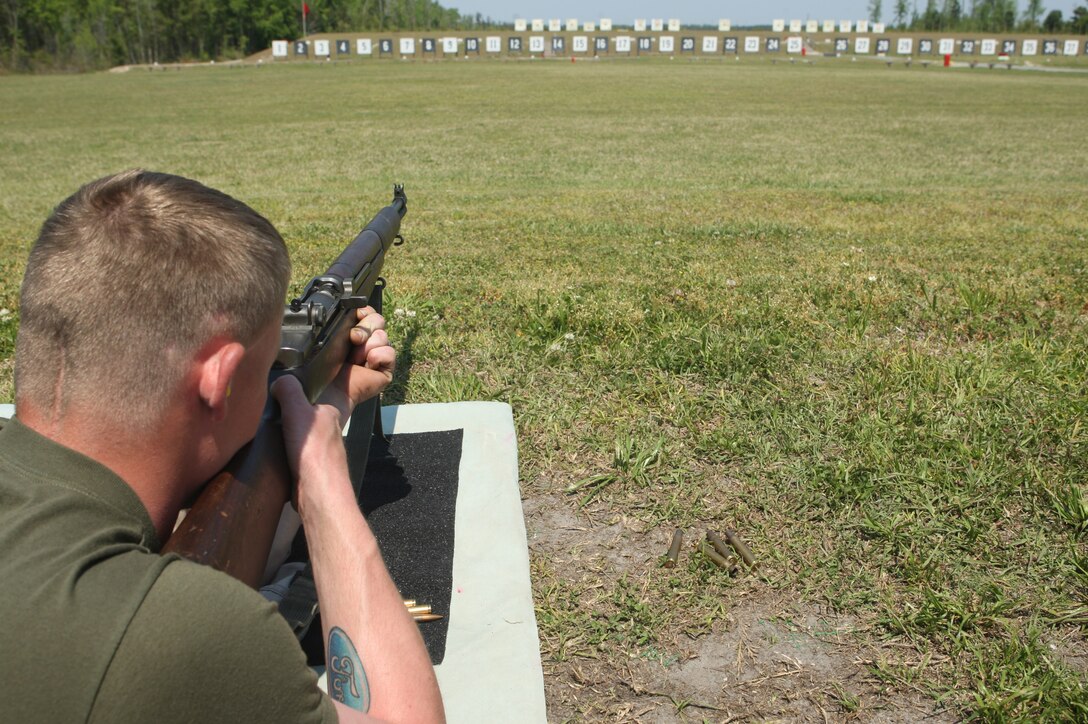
{"points": [[347, 680]]}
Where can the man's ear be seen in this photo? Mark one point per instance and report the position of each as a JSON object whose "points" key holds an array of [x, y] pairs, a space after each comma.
{"points": [[218, 363]]}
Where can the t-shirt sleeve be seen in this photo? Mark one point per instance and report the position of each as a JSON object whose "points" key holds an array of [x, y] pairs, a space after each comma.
{"points": [[204, 647]]}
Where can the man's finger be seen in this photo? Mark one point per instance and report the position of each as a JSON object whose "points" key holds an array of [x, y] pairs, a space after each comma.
{"points": [[288, 392], [374, 320], [383, 359]]}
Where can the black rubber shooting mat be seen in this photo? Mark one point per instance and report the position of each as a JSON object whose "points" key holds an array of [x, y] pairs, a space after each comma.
{"points": [[409, 498]]}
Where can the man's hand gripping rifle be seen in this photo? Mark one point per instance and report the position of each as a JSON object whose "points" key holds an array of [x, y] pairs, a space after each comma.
{"points": [[232, 524]]}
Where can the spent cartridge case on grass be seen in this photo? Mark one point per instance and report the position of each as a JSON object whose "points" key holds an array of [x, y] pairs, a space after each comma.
{"points": [[719, 545], [674, 550], [729, 565], [742, 550]]}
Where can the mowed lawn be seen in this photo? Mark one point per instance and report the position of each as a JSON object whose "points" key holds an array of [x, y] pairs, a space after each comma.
{"points": [[839, 308]]}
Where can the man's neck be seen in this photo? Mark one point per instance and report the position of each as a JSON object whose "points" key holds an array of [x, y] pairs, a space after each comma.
{"points": [[156, 461]]}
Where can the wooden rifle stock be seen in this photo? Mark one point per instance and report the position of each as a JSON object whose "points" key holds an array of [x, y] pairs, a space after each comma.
{"points": [[233, 522], [231, 525]]}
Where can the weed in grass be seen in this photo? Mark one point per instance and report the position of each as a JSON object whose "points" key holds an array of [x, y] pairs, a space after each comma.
{"points": [[1015, 678], [1071, 507]]}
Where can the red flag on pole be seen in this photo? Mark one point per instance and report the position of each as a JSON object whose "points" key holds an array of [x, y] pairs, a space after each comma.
{"points": [[305, 8]]}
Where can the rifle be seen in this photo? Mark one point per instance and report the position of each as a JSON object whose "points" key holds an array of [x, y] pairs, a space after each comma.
{"points": [[233, 522]]}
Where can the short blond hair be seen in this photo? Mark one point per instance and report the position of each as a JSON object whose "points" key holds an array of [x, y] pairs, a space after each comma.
{"points": [[129, 277]]}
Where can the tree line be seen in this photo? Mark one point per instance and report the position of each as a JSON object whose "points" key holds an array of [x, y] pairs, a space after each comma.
{"points": [[985, 16], [91, 34]]}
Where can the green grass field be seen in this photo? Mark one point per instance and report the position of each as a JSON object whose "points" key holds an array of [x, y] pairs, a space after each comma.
{"points": [[838, 308]]}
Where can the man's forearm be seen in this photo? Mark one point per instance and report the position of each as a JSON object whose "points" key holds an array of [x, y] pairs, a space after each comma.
{"points": [[377, 662]]}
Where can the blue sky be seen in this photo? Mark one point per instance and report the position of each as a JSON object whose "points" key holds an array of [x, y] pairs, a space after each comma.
{"points": [[693, 11]]}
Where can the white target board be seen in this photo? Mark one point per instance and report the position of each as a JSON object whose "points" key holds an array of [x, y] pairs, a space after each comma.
{"points": [[279, 48], [606, 25], [589, 27], [812, 26], [878, 28], [623, 44], [1030, 47], [710, 44], [449, 46], [861, 46], [554, 26], [845, 25], [640, 25], [751, 44], [364, 46], [946, 46], [580, 44], [862, 26], [1071, 47], [829, 26], [793, 44], [538, 25], [725, 25], [536, 43], [572, 25], [904, 46], [795, 26], [778, 25], [666, 44], [988, 46], [674, 25], [520, 25], [407, 46], [321, 48], [493, 44], [657, 25]]}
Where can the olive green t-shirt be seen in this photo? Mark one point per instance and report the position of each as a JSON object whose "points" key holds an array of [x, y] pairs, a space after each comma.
{"points": [[96, 626]]}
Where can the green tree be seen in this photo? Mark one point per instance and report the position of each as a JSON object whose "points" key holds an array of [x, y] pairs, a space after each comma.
{"points": [[1032, 13], [1079, 22], [931, 18], [875, 10], [953, 15], [1053, 22], [901, 13]]}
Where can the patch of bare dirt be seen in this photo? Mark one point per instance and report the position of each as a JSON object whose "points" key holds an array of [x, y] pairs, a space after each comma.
{"points": [[554, 531], [767, 658]]}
